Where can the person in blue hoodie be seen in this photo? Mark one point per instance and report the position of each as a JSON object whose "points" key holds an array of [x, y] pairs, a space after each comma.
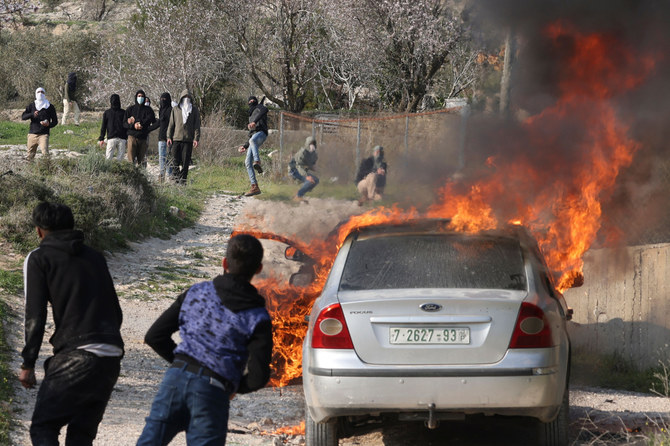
{"points": [[74, 280], [225, 349]]}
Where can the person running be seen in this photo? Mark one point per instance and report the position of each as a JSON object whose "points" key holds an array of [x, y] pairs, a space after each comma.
{"points": [[258, 133], [303, 166]]}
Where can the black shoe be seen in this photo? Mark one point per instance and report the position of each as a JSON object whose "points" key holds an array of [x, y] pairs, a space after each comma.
{"points": [[257, 167]]}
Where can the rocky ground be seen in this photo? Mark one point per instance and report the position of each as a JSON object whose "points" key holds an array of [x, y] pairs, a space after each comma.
{"points": [[154, 271]]}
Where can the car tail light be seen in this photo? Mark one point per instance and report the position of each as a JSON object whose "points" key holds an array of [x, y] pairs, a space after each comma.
{"points": [[532, 328], [330, 329]]}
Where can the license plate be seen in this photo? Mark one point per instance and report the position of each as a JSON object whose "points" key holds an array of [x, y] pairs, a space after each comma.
{"points": [[429, 335]]}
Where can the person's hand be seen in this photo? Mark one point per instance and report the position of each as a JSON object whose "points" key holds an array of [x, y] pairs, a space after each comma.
{"points": [[131, 120], [251, 126], [27, 378], [45, 123], [381, 171], [35, 113], [242, 149], [101, 143], [195, 144], [169, 141], [311, 179], [138, 126], [232, 395]]}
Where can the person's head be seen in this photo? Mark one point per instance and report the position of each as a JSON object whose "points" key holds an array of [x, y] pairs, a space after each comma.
{"points": [[378, 152], [185, 98], [40, 93], [244, 256], [253, 101], [48, 217], [140, 97], [165, 101], [115, 101], [310, 143], [147, 102]]}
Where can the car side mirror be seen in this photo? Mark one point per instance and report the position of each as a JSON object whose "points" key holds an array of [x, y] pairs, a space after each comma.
{"points": [[293, 253], [301, 279]]}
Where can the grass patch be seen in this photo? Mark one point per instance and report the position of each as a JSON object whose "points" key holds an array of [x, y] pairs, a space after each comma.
{"points": [[6, 390], [614, 372], [78, 138], [11, 281]]}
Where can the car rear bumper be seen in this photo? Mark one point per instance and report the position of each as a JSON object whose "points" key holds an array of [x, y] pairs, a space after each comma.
{"points": [[528, 383]]}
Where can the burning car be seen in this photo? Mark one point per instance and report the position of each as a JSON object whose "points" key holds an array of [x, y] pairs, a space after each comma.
{"points": [[417, 321]]}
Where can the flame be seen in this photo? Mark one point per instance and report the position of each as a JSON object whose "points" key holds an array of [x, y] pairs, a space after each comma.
{"points": [[291, 430], [558, 201]]}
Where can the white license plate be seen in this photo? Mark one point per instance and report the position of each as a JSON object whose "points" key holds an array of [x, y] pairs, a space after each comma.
{"points": [[429, 335]]}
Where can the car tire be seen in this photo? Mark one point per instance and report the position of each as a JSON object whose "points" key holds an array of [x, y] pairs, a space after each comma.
{"points": [[555, 432], [320, 434]]}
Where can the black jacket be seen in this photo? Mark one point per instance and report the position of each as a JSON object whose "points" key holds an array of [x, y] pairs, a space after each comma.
{"points": [[112, 120], [74, 278], [46, 113], [236, 294], [369, 165], [163, 117], [259, 114], [142, 114]]}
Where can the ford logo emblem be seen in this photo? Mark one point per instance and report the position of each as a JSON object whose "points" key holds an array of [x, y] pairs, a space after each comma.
{"points": [[430, 307]]}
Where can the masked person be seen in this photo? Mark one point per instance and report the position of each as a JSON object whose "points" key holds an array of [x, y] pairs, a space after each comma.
{"points": [[112, 125], [258, 133], [164, 111], [137, 121], [42, 115], [74, 280], [302, 167], [183, 134], [371, 176], [70, 98]]}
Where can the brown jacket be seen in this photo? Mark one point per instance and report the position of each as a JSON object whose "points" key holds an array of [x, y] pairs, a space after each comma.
{"points": [[177, 130]]}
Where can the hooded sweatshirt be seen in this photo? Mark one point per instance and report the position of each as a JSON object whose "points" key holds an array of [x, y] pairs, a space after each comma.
{"points": [[180, 129], [142, 114], [75, 280], [164, 111], [258, 113], [224, 327], [305, 161], [112, 120]]}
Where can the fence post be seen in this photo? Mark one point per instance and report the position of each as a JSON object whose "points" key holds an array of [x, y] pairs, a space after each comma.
{"points": [[281, 141], [358, 145], [465, 114]]}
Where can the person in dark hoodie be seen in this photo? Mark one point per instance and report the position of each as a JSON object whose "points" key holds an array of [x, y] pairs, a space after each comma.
{"points": [[164, 110], [225, 348], [183, 134], [137, 121], [42, 115], [302, 168], [371, 176], [112, 125], [258, 133], [87, 344]]}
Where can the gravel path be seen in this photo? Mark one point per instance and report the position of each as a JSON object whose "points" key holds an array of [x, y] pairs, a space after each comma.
{"points": [[150, 275]]}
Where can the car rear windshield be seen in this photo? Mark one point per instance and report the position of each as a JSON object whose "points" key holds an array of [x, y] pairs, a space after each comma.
{"points": [[434, 261]]}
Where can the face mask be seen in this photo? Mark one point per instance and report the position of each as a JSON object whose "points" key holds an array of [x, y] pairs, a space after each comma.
{"points": [[312, 147], [186, 101], [39, 96], [140, 100]]}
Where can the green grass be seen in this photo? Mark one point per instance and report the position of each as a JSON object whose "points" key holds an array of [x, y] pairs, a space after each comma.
{"points": [[81, 139], [11, 281]]}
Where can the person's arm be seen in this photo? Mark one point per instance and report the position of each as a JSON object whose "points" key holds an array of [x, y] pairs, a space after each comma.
{"points": [[53, 116], [103, 127], [127, 115], [196, 125], [159, 335], [170, 129], [260, 355], [28, 113], [36, 292]]}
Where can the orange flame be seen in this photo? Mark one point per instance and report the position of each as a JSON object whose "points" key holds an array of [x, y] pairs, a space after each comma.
{"points": [[561, 205], [291, 430]]}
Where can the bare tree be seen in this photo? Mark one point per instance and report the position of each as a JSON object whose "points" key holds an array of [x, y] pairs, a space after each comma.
{"points": [[172, 46], [11, 11], [410, 40], [278, 40]]}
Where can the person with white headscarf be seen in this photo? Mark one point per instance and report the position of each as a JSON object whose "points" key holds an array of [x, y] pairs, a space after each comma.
{"points": [[183, 134], [42, 115]]}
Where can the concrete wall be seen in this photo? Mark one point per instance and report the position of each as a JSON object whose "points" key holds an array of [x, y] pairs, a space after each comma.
{"points": [[624, 305]]}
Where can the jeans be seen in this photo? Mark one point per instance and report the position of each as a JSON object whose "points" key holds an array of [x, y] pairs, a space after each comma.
{"points": [[255, 143], [187, 402], [306, 184], [75, 391], [163, 162]]}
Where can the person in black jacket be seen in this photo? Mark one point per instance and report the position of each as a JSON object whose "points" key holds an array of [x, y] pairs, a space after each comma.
{"points": [[87, 344], [225, 348], [164, 163], [42, 115], [258, 133], [112, 124], [371, 176], [138, 120]]}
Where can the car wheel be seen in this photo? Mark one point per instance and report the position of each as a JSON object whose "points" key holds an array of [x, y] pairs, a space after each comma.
{"points": [[555, 433], [320, 434]]}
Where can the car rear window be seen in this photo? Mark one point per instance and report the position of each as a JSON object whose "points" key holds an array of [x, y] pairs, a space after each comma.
{"points": [[434, 261]]}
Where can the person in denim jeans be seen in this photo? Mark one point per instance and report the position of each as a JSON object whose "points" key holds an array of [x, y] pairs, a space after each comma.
{"points": [[164, 163], [258, 133], [225, 349], [302, 167]]}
